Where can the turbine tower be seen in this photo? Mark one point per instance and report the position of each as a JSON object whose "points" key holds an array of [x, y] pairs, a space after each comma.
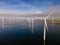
{"points": [[10, 19], [2, 22], [45, 26], [31, 25]]}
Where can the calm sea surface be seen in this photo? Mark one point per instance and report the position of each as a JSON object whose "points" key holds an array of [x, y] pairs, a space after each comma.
{"points": [[19, 32]]}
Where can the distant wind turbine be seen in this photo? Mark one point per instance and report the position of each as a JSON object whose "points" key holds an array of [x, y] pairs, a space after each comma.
{"points": [[45, 26], [2, 22], [31, 23]]}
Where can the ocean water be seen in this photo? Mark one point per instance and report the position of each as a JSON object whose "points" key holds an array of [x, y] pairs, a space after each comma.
{"points": [[53, 35], [19, 32]]}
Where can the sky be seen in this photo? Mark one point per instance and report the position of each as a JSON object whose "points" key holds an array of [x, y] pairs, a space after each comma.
{"points": [[29, 7]]}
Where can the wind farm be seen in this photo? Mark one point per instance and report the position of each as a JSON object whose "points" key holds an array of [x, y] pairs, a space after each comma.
{"points": [[29, 22], [32, 21]]}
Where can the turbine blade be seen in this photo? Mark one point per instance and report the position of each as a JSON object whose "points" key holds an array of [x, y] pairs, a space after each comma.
{"points": [[50, 14], [45, 28], [44, 31], [46, 25]]}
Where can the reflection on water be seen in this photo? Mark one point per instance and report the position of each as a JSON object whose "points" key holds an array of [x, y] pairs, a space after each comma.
{"points": [[19, 32]]}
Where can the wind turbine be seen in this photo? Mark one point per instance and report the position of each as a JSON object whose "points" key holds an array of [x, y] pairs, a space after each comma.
{"points": [[45, 26], [10, 19], [2, 22], [2, 18], [30, 20]]}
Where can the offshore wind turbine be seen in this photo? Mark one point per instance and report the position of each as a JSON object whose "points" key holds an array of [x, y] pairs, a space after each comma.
{"points": [[46, 27], [10, 21], [2, 22], [31, 23]]}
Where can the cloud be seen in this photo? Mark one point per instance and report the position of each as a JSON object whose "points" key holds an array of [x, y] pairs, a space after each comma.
{"points": [[20, 9], [30, 8], [56, 14], [41, 13], [19, 13]]}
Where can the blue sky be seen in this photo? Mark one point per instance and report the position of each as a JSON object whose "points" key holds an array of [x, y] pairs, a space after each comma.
{"points": [[26, 6], [38, 4]]}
